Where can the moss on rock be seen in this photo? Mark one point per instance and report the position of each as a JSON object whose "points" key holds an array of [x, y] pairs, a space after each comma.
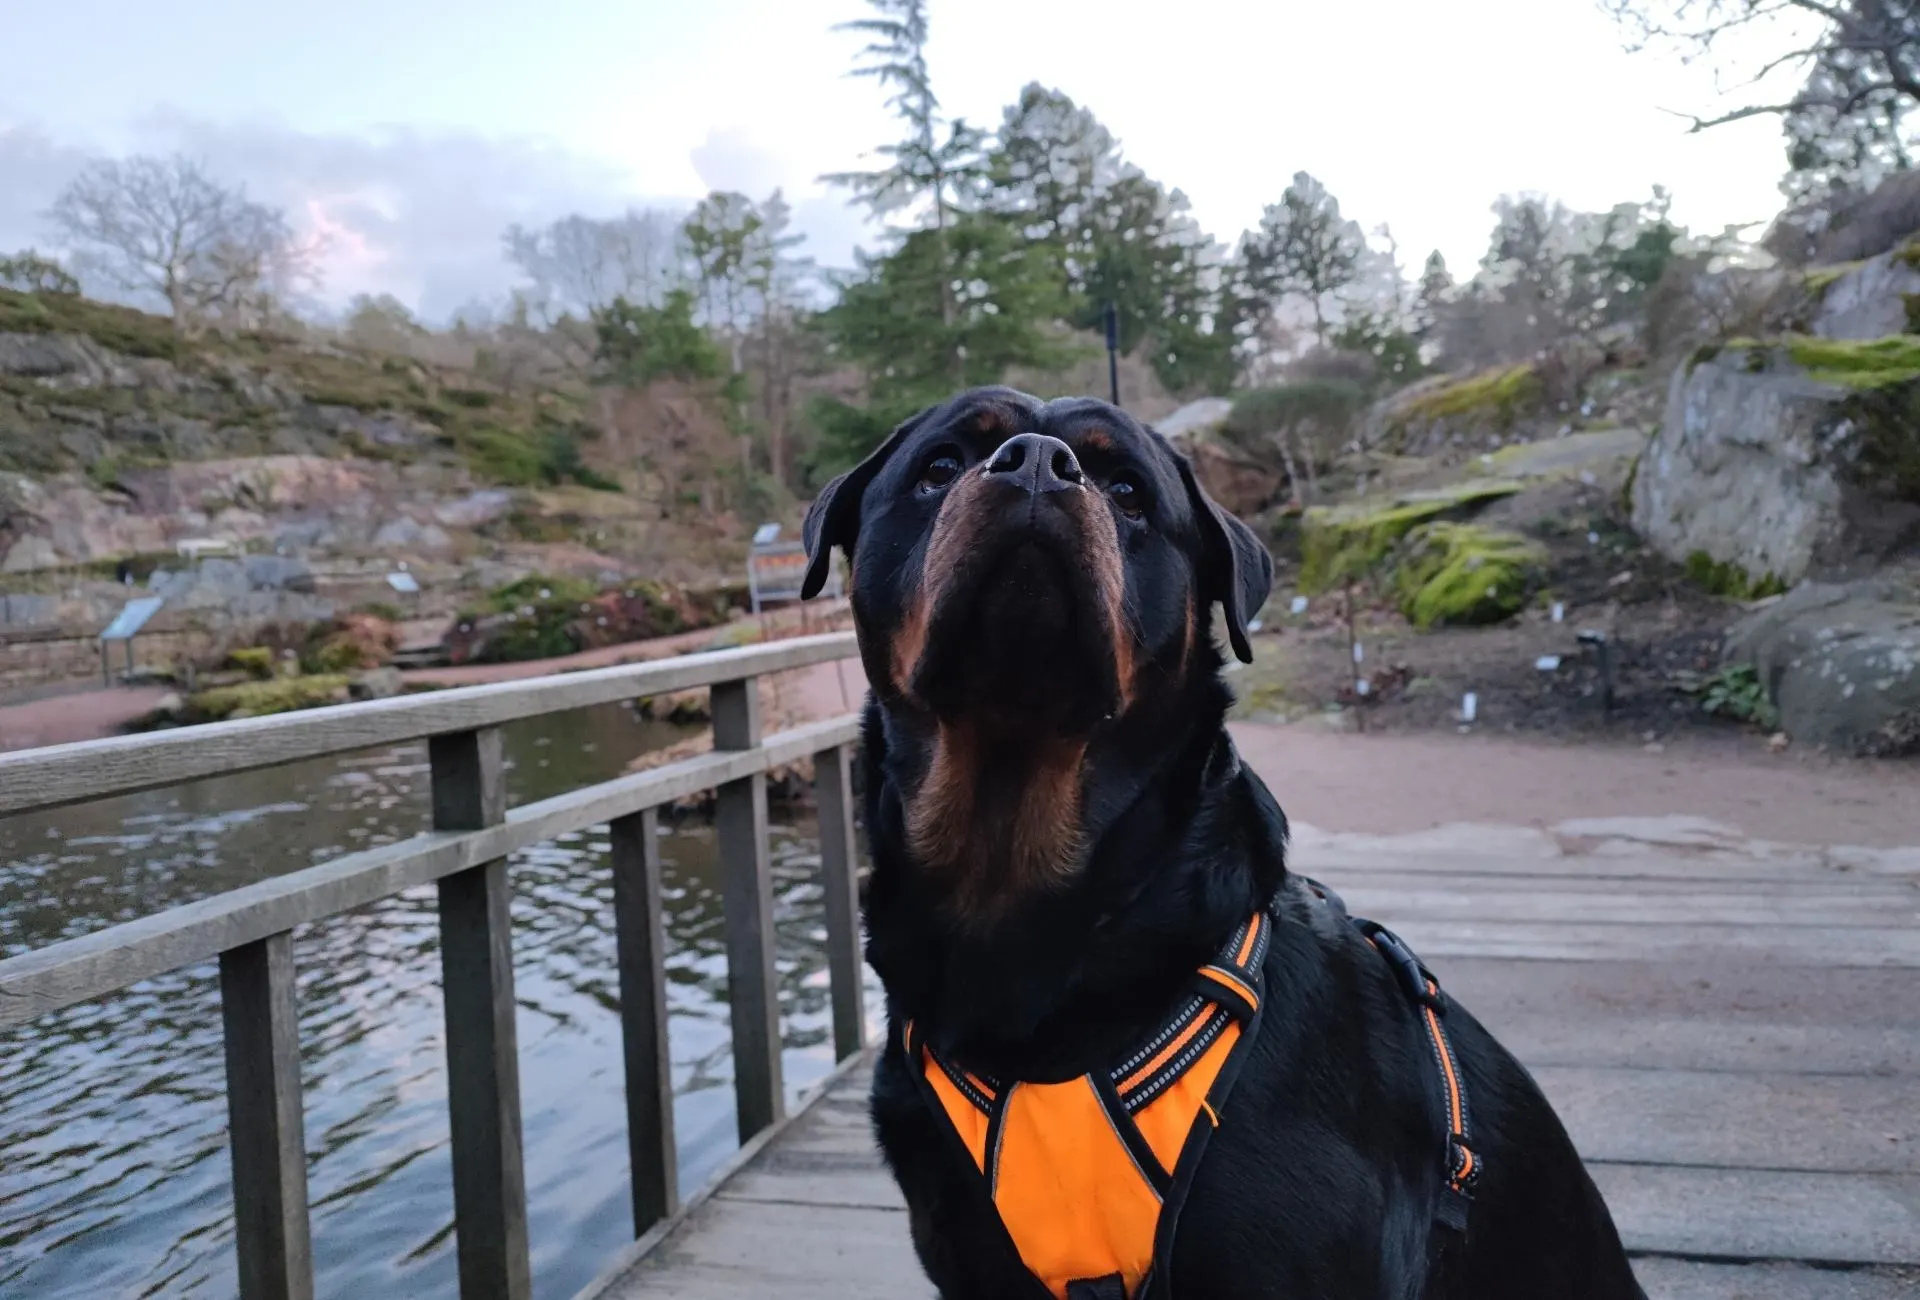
{"points": [[1349, 542], [1500, 393], [1819, 279], [1724, 578], [1456, 574], [1857, 363]]}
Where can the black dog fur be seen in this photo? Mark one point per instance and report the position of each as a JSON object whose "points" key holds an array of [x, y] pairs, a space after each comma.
{"points": [[1062, 832]]}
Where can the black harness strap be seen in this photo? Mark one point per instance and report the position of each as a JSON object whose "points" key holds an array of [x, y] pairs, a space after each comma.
{"points": [[1462, 1165]]}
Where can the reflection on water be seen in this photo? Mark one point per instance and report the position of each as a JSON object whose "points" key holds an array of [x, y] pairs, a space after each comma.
{"points": [[114, 1174]]}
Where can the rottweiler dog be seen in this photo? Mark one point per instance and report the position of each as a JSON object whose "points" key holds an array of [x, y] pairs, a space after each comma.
{"points": [[1062, 833]]}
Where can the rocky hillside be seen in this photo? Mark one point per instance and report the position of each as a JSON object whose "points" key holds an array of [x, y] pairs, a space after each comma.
{"points": [[1740, 529], [118, 439]]}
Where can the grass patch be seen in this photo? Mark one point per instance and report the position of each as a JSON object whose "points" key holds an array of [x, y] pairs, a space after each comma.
{"points": [[136, 333]]}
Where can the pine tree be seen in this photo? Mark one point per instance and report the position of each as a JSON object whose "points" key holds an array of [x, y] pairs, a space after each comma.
{"points": [[939, 161]]}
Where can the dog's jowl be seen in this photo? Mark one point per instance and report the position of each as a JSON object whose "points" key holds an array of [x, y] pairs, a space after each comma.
{"points": [[1128, 1054]]}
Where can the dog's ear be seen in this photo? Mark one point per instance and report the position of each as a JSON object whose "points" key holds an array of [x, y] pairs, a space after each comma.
{"points": [[834, 517], [1237, 571]]}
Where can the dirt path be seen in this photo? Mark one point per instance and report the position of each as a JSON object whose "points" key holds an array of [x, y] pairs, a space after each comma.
{"points": [[1395, 784], [1380, 784], [83, 715]]}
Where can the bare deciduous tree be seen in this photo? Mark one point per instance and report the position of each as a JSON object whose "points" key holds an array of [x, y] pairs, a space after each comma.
{"points": [[1849, 55], [163, 227], [579, 265]]}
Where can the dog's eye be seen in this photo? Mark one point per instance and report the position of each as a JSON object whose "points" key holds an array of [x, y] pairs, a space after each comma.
{"points": [[940, 471], [1127, 494]]}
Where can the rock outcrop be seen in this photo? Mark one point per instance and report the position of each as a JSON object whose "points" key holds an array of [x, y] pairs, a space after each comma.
{"points": [[1786, 458], [1240, 481], [1841, 663], [1877, 298]]}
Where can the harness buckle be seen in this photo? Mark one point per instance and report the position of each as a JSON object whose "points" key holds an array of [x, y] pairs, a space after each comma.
{"points": [[1415, 978]]}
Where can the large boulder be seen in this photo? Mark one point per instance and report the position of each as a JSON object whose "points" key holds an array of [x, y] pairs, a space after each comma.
{"points": [[1198, 418], [1243, 483], [1841, 662], [1871, 300], [1786, 458]]}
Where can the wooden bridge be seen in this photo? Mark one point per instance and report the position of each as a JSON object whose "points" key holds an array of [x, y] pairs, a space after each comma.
{"points": [[1732, 1032]]}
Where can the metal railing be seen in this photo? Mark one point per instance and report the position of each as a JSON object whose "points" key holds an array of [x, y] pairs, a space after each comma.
{"points": [[250, 929]]}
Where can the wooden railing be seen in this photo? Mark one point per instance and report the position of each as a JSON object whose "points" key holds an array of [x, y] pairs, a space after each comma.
{"points": [[250, 929]]}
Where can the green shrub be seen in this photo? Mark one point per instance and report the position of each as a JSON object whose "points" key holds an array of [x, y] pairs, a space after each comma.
{"points": [[1737, 692], [1260, 413], [254, 660], [259, 699], [536, 589]]}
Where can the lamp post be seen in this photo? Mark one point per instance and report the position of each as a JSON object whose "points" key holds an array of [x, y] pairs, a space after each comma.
{"points": [[1113, 355]]}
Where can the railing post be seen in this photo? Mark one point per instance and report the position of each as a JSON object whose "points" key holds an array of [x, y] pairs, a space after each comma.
{"points": [[266, 1129], [640, 939], [740, 821], [483, 1068], [840, 880]]}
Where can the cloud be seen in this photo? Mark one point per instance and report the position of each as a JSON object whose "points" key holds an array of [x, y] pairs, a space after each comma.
{"points": [[33, 167], [413, 213]]}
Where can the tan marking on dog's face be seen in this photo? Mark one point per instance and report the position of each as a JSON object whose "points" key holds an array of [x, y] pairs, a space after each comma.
{"points": [[956, 528], [909, 644], [992, 827]]}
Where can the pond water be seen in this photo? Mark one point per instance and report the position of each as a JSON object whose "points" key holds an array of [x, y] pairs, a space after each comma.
{"points": [[114, 1171]]}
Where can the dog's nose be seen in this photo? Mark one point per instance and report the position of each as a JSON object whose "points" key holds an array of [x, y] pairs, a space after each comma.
{"points": [[1037, 463]]}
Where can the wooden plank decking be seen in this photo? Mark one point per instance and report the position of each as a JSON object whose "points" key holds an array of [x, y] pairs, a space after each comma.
{"points": [[1731, 1034]]}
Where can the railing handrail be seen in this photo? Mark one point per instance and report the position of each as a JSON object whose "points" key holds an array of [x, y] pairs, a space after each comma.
{"points": [[60, 974], [465, 856], [57, 775]]}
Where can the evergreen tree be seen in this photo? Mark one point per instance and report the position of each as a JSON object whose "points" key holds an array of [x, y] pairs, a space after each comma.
{"points": [[939, 162], [1113, 236], [1004, 297]]}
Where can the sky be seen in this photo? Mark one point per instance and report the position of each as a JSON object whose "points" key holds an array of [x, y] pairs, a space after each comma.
{"points": [[412, 132]]}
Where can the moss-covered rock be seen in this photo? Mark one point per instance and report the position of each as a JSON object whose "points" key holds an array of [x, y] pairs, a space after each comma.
{"points": [[1424, 418], [1349, 543], [259, 699], [1778, 458], [1865, 299], [1857, 364], [1459, 575]]}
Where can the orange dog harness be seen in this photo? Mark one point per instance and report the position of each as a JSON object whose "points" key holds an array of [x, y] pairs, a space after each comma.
{"points": [[1088, 1176]]}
